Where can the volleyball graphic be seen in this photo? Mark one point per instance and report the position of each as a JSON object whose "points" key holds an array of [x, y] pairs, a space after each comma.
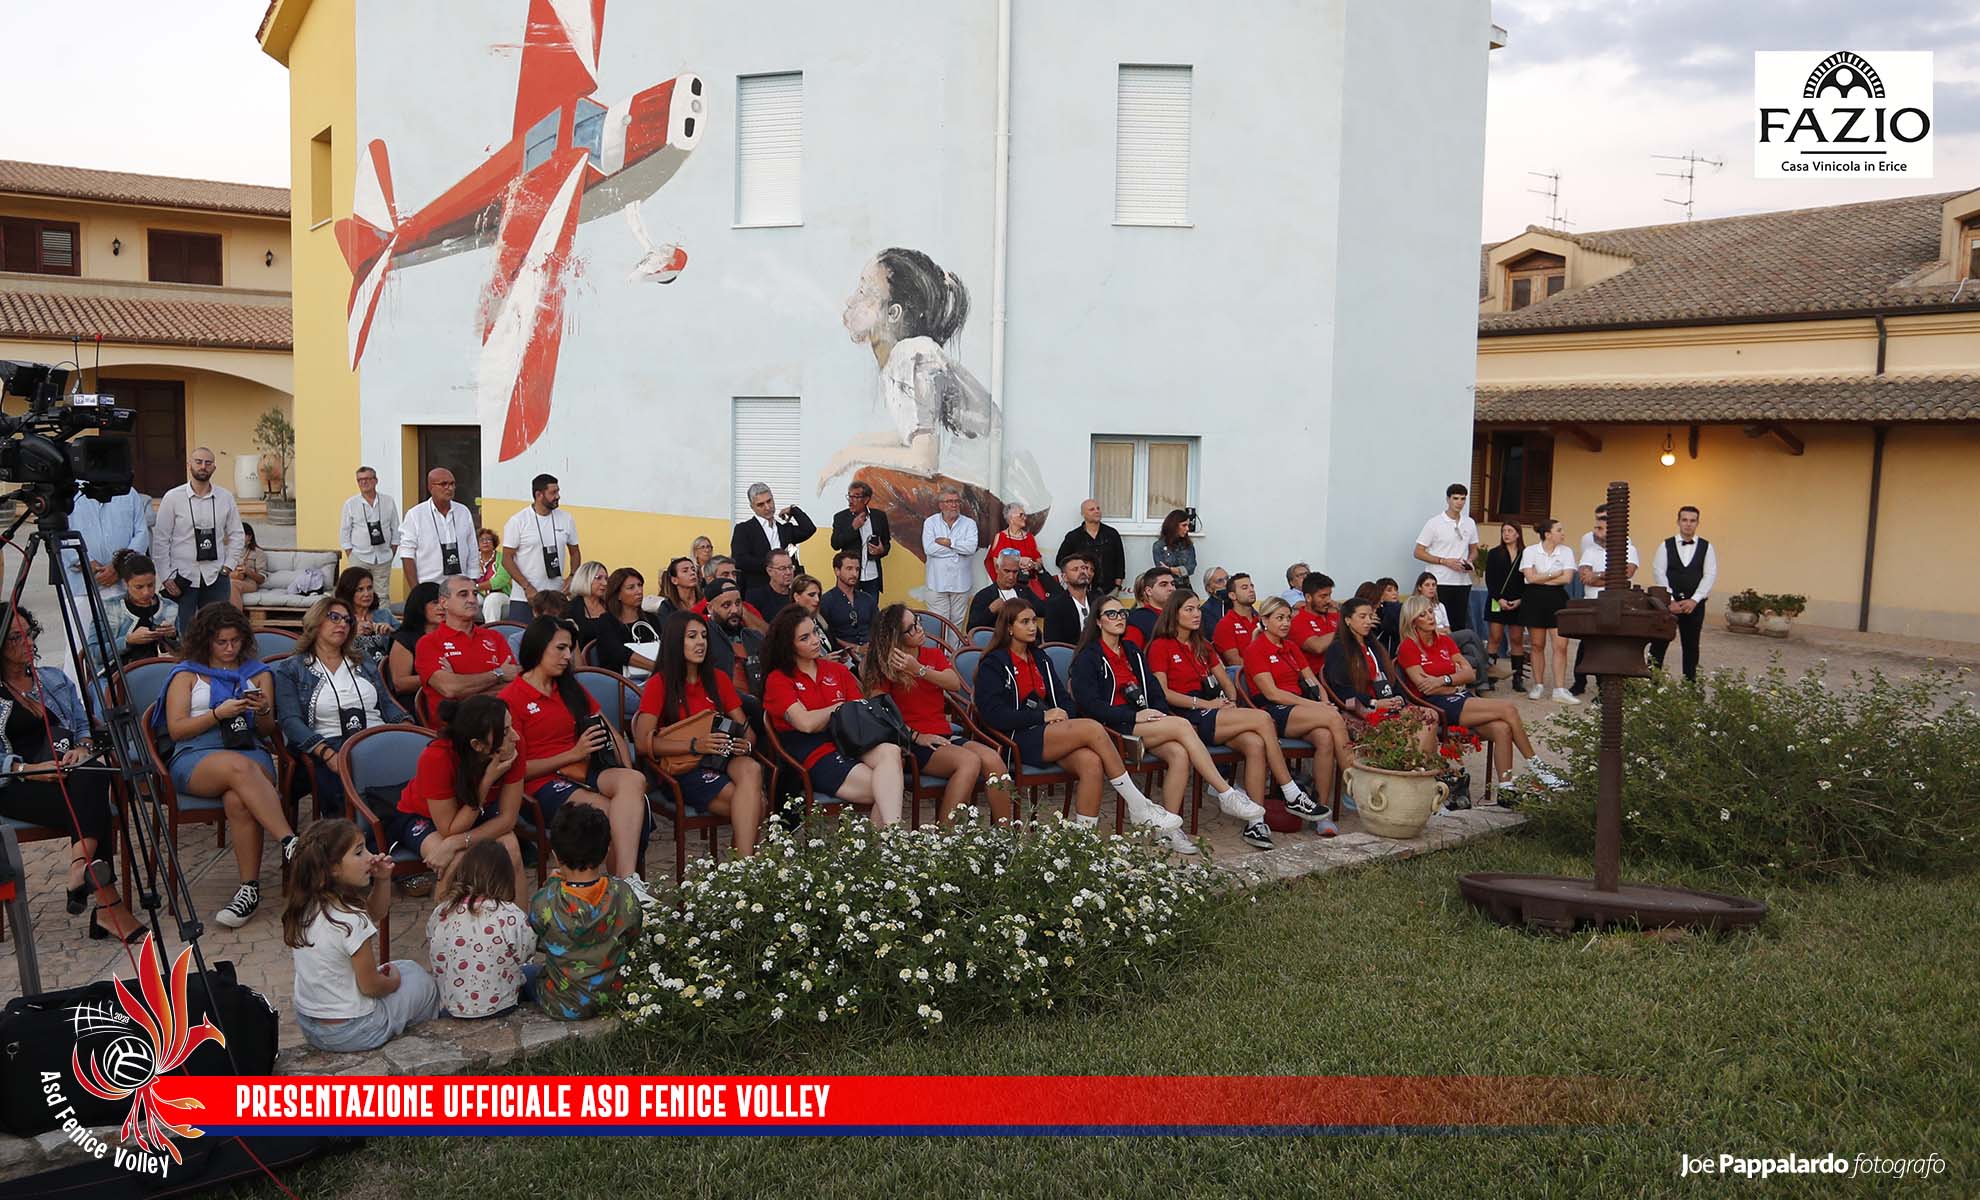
{"points": [[127, 1062]]}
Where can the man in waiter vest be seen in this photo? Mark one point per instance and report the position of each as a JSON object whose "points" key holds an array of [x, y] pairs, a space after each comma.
{"points": [[1688, 566], [437, 539]]}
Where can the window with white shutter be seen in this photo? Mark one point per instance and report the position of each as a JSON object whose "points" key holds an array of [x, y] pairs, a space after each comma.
{"points": [[770, 149], [1151, 146], [763, 449], [1140, 480]]}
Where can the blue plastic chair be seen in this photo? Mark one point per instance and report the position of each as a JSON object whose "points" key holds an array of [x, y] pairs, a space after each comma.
{"points": [[382, 758], [980, 637], [271, 642]]}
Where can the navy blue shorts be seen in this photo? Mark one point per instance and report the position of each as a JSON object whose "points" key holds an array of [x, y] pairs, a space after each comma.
{"points": [[1449, 707], [1281, 714], [409, 830], [551, 793], [700, 787]]}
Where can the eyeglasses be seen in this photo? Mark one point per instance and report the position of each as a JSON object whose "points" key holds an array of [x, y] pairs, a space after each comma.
{"points": [[1113, 614], [337, 618]]}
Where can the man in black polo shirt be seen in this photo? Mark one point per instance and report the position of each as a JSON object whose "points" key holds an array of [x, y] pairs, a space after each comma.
{"points": [[1100, 540], [848, 610], [771, 598]]}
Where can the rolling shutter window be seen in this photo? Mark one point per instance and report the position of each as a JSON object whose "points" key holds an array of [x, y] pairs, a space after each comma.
{"points": [[39, 247], [1537, 488], [769, 149], [1481, 455], [1151, 149], [763, 449]]}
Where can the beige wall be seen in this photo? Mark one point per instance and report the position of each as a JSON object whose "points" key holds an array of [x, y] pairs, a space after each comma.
{"points": [[1787, 523], [244, 241]]}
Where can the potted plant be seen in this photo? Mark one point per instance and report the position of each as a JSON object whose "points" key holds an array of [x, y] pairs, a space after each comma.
{"points": [[1393, 781], [276, 439], [1743, 611], [1777, 619]]}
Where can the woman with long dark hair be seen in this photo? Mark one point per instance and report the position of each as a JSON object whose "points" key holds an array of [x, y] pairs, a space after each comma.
{"points": [[564, 737], [219, 709], [1019, 693], [680, 587], [801, 690], [1505, 584], [902, 662], [324, 693], [44, 727], [1440, 674], [1173, 549], [1361, 673], [686, 684], [623, 623], [373, 623], [423, 616], [1111, 683], [1193, 681], [467, 787]]}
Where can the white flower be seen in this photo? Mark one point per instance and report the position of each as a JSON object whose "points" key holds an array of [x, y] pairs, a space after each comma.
{"points": [[906, 974], [777, 1014], [1917, 784], [1725, 814], [1823, 784]]}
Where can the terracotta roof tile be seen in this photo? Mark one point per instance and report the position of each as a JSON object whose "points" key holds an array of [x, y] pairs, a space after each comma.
{"points": [[122, 187], [60, 317], [1803, 261], [1834, 398]]}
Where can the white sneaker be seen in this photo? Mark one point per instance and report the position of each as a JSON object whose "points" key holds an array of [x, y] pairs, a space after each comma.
{"points": [[1539, 692], [1143, 811], [638, 886], [1180, 842], [1563, 696], [1239, 806]]}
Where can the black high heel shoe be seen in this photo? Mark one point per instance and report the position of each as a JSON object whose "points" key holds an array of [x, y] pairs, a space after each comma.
{"points": [[98, 933], [77, 897]]}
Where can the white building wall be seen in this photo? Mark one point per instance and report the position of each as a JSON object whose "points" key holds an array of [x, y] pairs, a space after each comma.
{"points": [[1231, 329]]}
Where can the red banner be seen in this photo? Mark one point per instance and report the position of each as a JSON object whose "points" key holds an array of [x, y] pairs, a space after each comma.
{"points": [[896, 1105]]}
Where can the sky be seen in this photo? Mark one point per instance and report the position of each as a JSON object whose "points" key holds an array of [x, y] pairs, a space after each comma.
{"points": [[1588, 89]]}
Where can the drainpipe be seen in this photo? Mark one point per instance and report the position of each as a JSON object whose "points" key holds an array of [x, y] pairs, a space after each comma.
{"points": [[1876, 494], [1000, 246]]}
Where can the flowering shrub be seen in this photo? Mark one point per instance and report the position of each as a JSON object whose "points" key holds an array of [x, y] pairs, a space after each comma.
{"points": [[1392, 745], [1784, 779], [924, 926]]}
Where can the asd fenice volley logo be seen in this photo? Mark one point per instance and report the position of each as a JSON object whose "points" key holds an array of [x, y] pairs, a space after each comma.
{"points": [[1842, 113], [121, 1052]]}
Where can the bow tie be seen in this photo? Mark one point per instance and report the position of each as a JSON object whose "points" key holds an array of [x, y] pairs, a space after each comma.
{"points": [[1687, 541]]}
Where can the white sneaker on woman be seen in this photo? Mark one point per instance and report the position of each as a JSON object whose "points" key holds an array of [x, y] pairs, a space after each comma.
{"points": [[1539, 692], [1563, 696], [1180, 842], [1143, 811]]}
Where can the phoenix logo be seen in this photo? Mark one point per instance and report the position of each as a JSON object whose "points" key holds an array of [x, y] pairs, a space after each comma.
{"points": [[129, 1066]]}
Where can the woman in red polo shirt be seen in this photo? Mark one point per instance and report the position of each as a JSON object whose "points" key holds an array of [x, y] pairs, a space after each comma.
{"points": [[801, 691], [1290, 694], [901, 662], [467, 787], [550, 707], [1438, 671], [1197, 687], [686, 684]]}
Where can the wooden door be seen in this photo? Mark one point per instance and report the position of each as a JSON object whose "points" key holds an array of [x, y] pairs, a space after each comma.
{"points": [[457, 448], [158, 444]]}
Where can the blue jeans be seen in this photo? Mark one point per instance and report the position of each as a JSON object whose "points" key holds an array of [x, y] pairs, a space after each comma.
{"points": [[417, 999], [192, 597]]}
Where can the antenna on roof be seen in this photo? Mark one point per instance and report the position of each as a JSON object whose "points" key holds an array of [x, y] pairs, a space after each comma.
{"points": [[1556, 215], [1689, 175]]}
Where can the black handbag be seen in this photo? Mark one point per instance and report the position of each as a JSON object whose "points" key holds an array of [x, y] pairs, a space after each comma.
{"points": [[859, 725]]}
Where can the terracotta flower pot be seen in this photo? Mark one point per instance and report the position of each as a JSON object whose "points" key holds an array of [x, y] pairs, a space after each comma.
{"points": [[1742, 622], [1395, 804]]}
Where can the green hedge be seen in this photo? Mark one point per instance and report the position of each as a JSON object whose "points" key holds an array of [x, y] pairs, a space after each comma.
{"points": [[911, 927], [1784, 779]]}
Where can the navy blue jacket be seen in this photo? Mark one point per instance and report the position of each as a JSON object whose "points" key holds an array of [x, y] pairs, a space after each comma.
{"points": [[1093, 686], [997, 698]]}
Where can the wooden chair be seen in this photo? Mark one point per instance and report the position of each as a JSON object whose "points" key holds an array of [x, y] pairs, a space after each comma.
{"points": [[384, 757], [198, 810], [1025, 778], [939, 628]]}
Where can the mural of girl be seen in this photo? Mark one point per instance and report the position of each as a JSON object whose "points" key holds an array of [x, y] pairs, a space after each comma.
{"points": [[939, 417]]}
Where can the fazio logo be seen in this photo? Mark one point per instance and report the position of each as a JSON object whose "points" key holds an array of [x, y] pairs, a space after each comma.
{"points": [[1842, 113]]}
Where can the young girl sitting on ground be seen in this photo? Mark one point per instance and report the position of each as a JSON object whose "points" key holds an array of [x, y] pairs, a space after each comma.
{"points": [[479, 941], [345, 1000]]}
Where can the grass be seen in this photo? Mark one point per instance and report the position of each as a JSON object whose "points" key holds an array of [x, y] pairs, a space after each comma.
{"points": [[1845, 1025]]}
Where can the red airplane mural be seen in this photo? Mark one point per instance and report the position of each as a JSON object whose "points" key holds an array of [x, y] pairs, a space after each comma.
{"points": [[571, 159]]}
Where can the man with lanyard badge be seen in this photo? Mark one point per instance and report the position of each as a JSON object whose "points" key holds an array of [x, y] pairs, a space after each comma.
{"points": [[369, 530], [533, 546], [438, 538], [200, 539]]}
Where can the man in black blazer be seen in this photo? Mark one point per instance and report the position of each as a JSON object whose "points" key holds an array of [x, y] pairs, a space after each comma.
{"points": [[861, 529], [753, 540]]}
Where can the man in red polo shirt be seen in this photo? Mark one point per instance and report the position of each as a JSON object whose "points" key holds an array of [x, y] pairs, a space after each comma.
{"points": [[1235, 631], [459, 658], [1317, 619]]}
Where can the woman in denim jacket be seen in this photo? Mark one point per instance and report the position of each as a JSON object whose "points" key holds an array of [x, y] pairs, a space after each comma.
{"points": [[324, 695]]}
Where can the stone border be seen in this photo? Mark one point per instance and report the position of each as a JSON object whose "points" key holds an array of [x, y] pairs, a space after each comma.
{"points": [[449, 1047]]}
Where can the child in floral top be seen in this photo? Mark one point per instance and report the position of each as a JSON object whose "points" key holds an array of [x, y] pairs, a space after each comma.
{"points": [[480, 943], [584, 920]]}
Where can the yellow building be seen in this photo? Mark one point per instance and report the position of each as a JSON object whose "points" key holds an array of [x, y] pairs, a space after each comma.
{"points": [[1809, 379], [172, 294]]}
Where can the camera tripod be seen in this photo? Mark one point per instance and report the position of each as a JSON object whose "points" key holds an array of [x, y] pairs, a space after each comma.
{"points": [[122, 750]]}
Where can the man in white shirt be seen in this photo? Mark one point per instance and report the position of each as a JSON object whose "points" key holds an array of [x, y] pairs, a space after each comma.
{"points": [[369, 531], [1295, 576], [1687, 566], [199, 540], [1594, 569], [1449, 543], [948, 543], [438, 538], [539, 546]]}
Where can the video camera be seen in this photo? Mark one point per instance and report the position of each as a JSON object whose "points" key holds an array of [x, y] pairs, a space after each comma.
{"points": [[41, 453]]}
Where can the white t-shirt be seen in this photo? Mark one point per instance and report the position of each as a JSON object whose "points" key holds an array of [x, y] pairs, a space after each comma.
{"points": [[326, 983], [1539, 559], [1597, 557], [528, 532], [344, 689], [1446, 538]]}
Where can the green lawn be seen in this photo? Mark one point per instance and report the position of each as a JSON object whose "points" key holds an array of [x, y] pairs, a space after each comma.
{"points": [[1845, 1025]]}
